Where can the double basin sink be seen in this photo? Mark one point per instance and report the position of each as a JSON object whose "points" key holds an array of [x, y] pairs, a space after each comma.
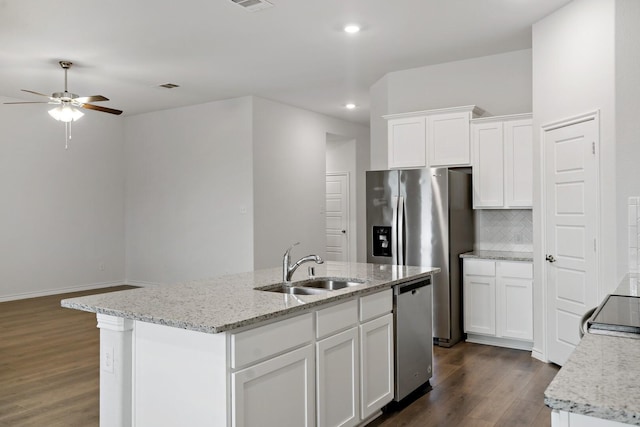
{"points": [[315, 286]]}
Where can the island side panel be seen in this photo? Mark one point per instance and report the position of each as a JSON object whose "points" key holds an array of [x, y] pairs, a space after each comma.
{"points": [[179, 376], [115, 371]]}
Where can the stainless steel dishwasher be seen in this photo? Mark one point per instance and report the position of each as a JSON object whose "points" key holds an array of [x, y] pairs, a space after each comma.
{"points": [[413, 335]]}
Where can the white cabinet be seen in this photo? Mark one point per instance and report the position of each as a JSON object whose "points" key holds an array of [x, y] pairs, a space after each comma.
{"points": [[376, 352], [479, 285], [338, 380], [376, 344], [502, 162], [430, 138], [338, 361], [448, 139], [276, 392], [407, 136], [268, 387], [498, 302]]}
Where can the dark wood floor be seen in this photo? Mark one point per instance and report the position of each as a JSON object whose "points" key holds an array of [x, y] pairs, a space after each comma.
{"points": [[49, 376]]}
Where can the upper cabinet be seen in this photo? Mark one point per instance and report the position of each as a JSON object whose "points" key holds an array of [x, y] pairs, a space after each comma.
{"points": [[502, 162], [430, 138]]}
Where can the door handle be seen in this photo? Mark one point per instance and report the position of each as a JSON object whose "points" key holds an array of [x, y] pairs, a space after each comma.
{"points": [[550, 258], [344, 231]]}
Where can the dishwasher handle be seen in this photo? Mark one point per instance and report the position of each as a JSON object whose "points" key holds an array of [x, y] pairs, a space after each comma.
{"points": [[413, 286]]}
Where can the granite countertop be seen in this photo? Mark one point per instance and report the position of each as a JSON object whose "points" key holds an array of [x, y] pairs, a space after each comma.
{"points": [[229, 302], [499, 255], [601, 377]]}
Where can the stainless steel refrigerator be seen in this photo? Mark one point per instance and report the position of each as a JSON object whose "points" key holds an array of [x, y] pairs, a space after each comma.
{"points": [[424, 217]]}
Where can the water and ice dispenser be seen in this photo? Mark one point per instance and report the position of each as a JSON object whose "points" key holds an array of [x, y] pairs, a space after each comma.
{"points": [[381, 241]]}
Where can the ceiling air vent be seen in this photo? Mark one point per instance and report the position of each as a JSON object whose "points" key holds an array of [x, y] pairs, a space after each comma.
{"points": [[253, 5]]}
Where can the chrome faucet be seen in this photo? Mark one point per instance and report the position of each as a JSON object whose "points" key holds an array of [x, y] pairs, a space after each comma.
{"points": [[288, 269]]}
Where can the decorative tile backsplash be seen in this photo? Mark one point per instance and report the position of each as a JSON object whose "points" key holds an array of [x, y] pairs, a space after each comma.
{"points": [[634, 236], [504, 230]]}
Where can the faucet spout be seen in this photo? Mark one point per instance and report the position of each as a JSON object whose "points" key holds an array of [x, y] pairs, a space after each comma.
{"points": [[288, 269]]}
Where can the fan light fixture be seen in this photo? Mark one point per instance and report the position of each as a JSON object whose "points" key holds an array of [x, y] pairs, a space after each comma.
{"points": [[65, 113]]}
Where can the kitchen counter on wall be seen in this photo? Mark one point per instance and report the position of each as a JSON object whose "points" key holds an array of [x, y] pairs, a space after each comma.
{"points": [[230, 302], [601, 377], [500, 255]]}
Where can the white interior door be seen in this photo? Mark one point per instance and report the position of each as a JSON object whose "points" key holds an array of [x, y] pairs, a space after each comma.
{"points": [[571, 199], [337, 214]]}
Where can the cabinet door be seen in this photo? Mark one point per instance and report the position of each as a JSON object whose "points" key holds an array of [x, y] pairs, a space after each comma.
{"points": [[376, 364], [515, 308], [337, 379], [518, 139], [488, 165], [480, 304], [407, 142], [448, 139], [277, 392]]}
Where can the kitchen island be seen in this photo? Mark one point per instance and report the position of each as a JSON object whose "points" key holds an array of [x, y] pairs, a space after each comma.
{"points": [[220, 352], [600, 383]]}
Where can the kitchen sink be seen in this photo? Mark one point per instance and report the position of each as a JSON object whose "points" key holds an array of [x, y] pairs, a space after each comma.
{"points": [[329, 284], [293, 290], [316, 286]]}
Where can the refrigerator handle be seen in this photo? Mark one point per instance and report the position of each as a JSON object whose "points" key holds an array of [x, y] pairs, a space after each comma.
{"points": [[394, 232], [400, 230]]}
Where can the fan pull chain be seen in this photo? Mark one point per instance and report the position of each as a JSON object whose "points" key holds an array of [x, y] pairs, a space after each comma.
{"points": [[67, 134]]}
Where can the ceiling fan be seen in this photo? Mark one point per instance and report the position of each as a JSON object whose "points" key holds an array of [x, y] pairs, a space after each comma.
{"points": [[69, 102]]}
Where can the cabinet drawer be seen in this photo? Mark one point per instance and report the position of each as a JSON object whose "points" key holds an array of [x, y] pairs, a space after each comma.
{"points": [[376, 305], [520, 270], [256, 344], [476, 267], [336, 318]]}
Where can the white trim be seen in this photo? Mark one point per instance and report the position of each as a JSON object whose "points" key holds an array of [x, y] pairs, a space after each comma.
{"points": [[499, 342], [508, 117], [141, 283], [474, 110], [580, 118], [69, 289], [539, 354]]}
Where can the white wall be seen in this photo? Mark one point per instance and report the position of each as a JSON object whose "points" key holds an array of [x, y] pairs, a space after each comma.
{"points": [[189, 198], [499, 84], [573, 73], [627, 118], [341, 157], [289, 179], [62, 210]]}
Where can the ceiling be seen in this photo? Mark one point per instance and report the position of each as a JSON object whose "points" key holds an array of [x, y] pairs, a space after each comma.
{"points": [[294, 52]]}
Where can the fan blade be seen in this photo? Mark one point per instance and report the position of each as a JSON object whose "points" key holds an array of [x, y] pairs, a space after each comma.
{"points": [[35, 93], [35, 102], [103, 109], [92, 98]]}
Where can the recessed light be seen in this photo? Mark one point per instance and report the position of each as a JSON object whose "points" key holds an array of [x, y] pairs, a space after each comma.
{"points": [[350, 106], [351, 28]]}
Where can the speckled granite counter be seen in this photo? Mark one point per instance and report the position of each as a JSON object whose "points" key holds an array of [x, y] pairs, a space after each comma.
{"points": [[230, 302], [602, 376], [500, 255]]}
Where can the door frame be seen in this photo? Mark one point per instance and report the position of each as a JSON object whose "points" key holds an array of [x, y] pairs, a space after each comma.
{"points": [[543, 353], [350, 243]]}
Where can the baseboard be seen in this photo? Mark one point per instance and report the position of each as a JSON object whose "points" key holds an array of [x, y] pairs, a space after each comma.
{"points": [[141, 284], [69, 289], [537, 354], [500, 342]]}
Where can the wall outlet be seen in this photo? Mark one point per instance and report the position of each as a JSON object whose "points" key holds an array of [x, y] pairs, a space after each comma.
{"points": [[107, 363]]}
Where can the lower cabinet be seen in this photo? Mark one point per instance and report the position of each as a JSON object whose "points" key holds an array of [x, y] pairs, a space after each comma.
{"points": [[334, 371], [498, 302], [376, 343], [277, 392], [338, 379]]}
